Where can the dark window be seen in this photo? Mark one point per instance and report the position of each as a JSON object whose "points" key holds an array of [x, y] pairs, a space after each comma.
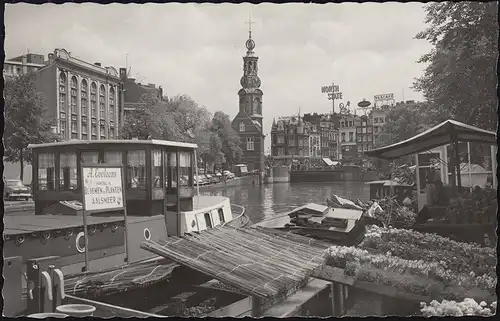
{"points": [[46, 171], [67, 171], [157, 168], [136, 168], [208, 221], [221, 216]]}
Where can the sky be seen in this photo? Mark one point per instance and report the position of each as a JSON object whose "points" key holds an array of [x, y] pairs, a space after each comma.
{"points": [[197, 49]]}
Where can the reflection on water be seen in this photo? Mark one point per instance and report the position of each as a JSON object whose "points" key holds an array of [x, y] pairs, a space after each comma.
{"points": [[266, 201]]}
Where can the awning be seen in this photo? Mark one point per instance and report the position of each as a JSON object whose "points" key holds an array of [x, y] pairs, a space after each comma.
{"points": [[437, 136]]}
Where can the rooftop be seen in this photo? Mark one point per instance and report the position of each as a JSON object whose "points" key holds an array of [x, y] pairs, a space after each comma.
{"points": [[76, 142]]}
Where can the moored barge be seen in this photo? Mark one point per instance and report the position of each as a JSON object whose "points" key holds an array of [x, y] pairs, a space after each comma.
{"points": [[160, 201]]}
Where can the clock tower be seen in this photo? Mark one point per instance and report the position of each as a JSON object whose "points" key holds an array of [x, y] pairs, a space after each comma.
{"points": [[250, 94], [248, 123]]}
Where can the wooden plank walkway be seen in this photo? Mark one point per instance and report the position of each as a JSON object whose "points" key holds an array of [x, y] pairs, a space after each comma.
{"points": [[21, 224]]}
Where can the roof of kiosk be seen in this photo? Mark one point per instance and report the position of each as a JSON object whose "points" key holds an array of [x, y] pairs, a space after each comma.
{"points": [[437, 136], [153, 142]]}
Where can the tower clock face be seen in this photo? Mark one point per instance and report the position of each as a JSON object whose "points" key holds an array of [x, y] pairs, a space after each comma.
{"points": [[257, 82]]}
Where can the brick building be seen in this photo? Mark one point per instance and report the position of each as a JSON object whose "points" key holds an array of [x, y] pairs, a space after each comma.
{"points": [[22, 65], [248, 122], [83, 98], [133, 91]]}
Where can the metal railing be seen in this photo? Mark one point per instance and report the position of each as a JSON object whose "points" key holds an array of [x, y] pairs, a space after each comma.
{"points": [[241, 220]]}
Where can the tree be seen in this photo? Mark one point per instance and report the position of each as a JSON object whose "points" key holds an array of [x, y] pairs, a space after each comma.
{"points": [[145, 120], [460, 79], [404, 121], [190, 119], [221, 124], [25, 122]]}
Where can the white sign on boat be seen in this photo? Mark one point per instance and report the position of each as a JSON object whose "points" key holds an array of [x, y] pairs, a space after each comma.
{"points": [[103, 188]]}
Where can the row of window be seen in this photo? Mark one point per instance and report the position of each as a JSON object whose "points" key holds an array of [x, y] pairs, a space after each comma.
{"points": [[18, 70], [343, 137], [136, 168], [363, 130], [364, 138], [84, 89], [364, 147], [84, 106], [84, 129], [378, 120], [208, 219]]}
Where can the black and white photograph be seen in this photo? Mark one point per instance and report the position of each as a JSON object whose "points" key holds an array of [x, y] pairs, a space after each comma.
{"points": [[250, 159]]}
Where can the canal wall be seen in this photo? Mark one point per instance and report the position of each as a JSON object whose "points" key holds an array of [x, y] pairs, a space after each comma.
{"points": [[237, 181], [339, 175], [278, 174]]}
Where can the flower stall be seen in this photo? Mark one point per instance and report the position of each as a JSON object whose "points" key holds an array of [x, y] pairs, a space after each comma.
{"points": [[415, 267]]}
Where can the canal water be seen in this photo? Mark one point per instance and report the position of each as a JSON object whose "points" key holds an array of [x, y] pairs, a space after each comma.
{"points": [[262, 202]]}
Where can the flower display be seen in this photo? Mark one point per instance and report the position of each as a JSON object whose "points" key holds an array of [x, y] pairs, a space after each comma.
{"points": [[452, 308], [422, 264], [456, 256]]}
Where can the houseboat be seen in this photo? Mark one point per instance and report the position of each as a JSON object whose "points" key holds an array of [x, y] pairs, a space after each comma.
{"points": [[160, 201]]}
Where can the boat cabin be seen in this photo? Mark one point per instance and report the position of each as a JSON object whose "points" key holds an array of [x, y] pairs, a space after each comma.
{"points": [[382, 188], [158, 175]]}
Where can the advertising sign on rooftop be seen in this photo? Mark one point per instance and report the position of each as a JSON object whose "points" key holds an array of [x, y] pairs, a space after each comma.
{"points": [[383, 97]]}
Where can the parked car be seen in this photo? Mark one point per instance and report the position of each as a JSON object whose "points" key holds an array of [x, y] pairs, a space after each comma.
{"points": [[218, 174], [212, 179], [228, 174], [200, 180], [16, 190]]}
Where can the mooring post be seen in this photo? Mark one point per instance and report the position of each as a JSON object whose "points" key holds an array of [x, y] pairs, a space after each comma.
{"points": [[256, 306]]}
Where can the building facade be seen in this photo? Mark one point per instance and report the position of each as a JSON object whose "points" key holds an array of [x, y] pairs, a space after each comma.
{"points": [[133, 91], [327, 126], [83, 98], [364, 135], [378, 120], [290, 140], [248, 122], [22, 65], [314, 143], [347, 133]]}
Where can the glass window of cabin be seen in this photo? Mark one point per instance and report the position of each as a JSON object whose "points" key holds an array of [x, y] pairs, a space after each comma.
{"points": [[221, 215], [208, 220], [90, 157], [68, 171], [113, 157], [185, 169], [136, 168], [157, 168], [46, 171], [172, 170]]}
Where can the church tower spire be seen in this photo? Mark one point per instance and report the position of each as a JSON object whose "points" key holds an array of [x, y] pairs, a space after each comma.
{"points": [[250, 94]]}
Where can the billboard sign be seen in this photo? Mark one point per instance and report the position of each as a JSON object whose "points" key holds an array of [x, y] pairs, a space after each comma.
{"points": [[383, 97]]}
